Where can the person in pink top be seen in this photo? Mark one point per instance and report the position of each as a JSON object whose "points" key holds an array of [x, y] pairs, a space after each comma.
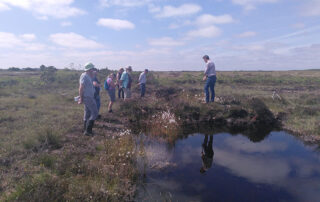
{"points": [[111, 91]]}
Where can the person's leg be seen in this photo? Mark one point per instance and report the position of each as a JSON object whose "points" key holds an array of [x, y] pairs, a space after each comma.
{"points": [[92, 106], [122, 93], [210, 149], [112, 96], [119, 92], [127, 94], [212, 84], [110, 106], [87, 114], [143, 89], [98, 102], [86, 117], [205, 141], [206, 89]]}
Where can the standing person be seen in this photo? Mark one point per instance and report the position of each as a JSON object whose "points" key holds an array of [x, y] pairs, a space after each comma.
{"points": [[142, 82], [125, 82], [86, 96], [210, 78], [97, 86], [111, 89], [120, 89], [207, 154]]}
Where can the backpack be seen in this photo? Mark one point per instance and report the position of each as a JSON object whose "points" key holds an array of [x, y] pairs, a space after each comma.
{"points": [[106, 85]]}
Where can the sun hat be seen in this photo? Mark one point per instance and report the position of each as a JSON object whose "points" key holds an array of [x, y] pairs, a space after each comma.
{"points": [[88, 66]]}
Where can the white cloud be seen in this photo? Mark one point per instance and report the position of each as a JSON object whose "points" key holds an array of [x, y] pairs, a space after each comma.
{"points": [[22, 42], [124, 3], [165, 41], [115, 24], [45, 8], [28, 37], [311, 8], [247, 34], [66, 24], [154, 9], [4, 7], [206, 32], [207, 19], [251, 4], [73, 40], [183, 10], [9, 40]]}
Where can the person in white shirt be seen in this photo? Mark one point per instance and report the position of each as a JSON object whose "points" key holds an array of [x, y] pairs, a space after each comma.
{"points": [[142, 82], [210, 78]]}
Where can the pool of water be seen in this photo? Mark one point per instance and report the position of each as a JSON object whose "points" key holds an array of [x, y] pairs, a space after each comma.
{"points": [[224, 167]]}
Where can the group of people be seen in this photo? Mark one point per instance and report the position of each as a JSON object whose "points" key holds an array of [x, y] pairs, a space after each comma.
{"points": [[90, 86], [89, 89]]}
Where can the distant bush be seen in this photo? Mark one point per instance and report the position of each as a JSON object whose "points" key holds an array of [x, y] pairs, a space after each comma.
{"points": [[14, 69], [30, 69], [48, 74]]}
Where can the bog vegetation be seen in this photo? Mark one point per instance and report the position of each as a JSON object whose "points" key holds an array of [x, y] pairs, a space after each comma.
{"points": [[43, 153]]}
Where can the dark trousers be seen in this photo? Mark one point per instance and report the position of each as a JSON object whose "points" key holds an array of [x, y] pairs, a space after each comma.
{"points": [[143, 89], [210, 83], [120, 92], [207, 147], [97, 99]]}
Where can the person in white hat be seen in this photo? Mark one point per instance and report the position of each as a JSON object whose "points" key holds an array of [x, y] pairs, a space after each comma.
{"points": [[86, 94]]}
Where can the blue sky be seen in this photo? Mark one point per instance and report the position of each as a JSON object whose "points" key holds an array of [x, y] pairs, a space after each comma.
{"points": [[161, 34]]}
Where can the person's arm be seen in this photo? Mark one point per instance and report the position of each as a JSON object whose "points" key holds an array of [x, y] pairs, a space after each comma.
{"points": [[81, 87], [206, 72], [117, 79], [140, 77], [96, 84]]}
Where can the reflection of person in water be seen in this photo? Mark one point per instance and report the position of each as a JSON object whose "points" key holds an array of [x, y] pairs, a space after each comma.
{"points": [[207, 154]]}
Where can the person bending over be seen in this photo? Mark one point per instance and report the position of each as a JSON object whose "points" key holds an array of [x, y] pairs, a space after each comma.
{"points": [[210, 78]]}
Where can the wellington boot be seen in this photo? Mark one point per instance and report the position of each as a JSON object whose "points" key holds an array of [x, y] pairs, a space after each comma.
{"points": [[89, 127]]}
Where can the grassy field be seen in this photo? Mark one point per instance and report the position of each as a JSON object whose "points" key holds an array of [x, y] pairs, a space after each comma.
{"points": [[44, 154], [295, 95]]}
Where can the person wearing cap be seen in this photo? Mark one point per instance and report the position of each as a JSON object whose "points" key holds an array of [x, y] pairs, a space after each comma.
{"points": [[125, 82], [97, 86], [210, 78], [142, 82], [86, 94], [120, 89]]}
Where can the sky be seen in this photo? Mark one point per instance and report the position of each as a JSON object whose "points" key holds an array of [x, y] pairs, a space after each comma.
{"points": [[161, 34]]}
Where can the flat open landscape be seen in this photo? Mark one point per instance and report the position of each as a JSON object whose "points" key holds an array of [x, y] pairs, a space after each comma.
{"points": [[44, 155]]}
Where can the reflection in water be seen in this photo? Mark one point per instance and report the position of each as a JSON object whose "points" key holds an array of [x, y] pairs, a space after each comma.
{"points": [[207, 154], [279, 168]]}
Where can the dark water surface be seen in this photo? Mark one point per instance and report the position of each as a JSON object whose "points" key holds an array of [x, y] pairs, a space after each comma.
{"points": [[278, 168]]}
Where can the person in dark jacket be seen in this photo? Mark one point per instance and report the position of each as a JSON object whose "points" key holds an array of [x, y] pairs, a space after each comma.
{"points": [[97, 87], [120, 89]]}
